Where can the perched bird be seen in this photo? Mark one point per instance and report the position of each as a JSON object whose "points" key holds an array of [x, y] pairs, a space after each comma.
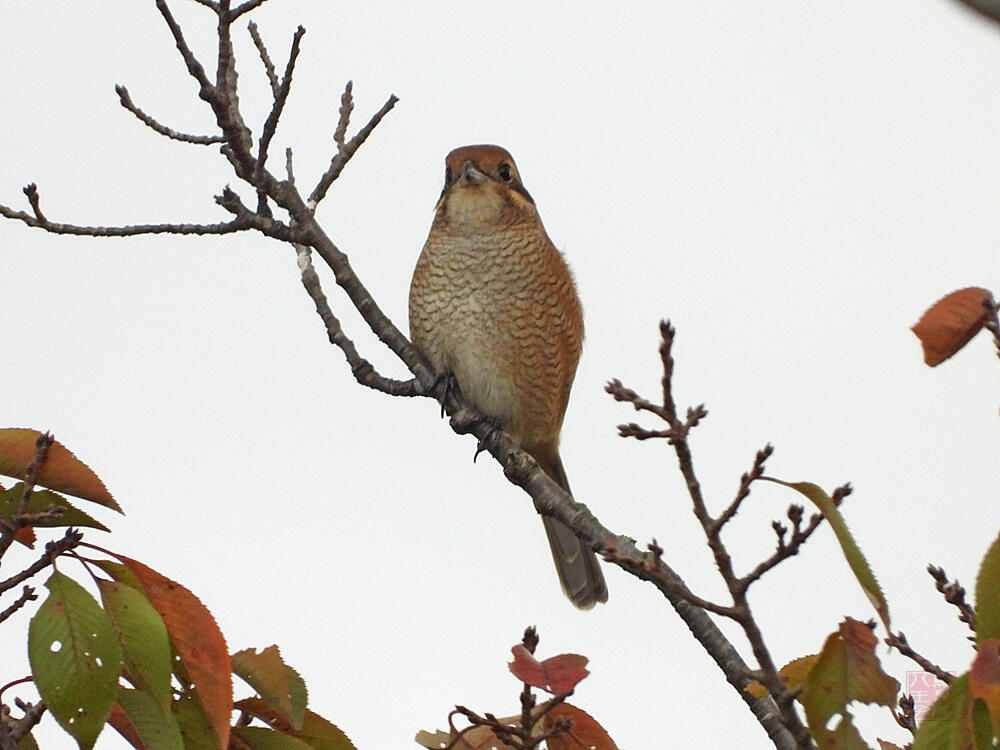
{"points": [[493, 304]]}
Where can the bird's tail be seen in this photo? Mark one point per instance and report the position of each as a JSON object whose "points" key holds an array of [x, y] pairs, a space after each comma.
{"points": [[578, 568]]}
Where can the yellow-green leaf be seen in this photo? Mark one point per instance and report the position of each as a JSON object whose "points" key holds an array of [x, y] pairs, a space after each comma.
{"points": [[75, 659], [41, 500], [275, 682], [988, 594], [855, 558]]}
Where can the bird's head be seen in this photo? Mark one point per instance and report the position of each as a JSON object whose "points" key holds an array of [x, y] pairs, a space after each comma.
{"points": [[482, 186]]}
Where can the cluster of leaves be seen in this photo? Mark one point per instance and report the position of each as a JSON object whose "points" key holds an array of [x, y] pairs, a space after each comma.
{"points": [[558, 724], [148, 658], [847, 669]]}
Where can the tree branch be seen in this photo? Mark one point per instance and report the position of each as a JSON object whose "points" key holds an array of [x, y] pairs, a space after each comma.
{"points": [[202, 140]]}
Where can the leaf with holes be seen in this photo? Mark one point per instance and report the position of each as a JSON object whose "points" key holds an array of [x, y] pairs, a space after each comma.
{"points": [[62, 471], [196, 639], [143, 638], [75, 659], [275, 682]]}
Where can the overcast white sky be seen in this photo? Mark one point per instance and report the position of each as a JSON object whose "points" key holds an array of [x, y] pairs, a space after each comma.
{"points": [[790, 182]]}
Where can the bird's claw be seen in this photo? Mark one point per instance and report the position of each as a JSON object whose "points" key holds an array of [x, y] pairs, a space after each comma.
{"points": [[444, 386]]}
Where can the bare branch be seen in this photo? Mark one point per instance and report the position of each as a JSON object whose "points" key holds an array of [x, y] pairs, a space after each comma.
{"points": [[346, 107], [194, 67], [954, 594], [987, 8], [898, 641], [272, 76], [363, 370], [345, 153], [745, 481], [53, 549], [131, 230], [201, 140], [246, 8], [27, 595], [271, 123]]}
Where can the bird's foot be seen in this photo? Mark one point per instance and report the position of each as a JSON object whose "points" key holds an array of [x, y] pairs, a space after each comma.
{"points": [[468, 420], [445, 386]]}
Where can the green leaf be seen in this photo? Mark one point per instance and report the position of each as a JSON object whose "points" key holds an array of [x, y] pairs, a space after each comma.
{"points": [[41, 500], [143, 637], [156, 729], [988, 594], [855, 558], [261, 738], [277, 683], [948, 725], [195, 725], [319, 733], [75, 659], [846, 671]]}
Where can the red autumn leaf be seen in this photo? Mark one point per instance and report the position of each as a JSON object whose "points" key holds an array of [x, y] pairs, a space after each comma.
{"points": [[586, 733], [557, 674], [951, 322], [197, 640]]}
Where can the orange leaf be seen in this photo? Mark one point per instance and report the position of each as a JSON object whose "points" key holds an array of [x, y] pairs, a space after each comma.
{"points": [[197, 640], [26, 536], [585, 734], [984, 677], [793, 675], [951, 322], [62, 471]]}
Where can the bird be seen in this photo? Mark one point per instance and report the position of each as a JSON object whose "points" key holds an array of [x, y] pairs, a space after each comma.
{"points": [[493, 306]]}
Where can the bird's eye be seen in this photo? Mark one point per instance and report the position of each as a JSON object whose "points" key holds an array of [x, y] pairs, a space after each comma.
{"points": [[447, 175], [504, 171]]}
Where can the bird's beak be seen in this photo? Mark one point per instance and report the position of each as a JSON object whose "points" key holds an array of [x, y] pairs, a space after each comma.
{"points": [[471, 175]]}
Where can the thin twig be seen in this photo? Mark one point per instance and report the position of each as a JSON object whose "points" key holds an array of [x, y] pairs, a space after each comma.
{"points": [[898, 641], [346, 107], [27, 595], [954, 594], [246, 8], [345, 152], [201, 140], [746, 480], [265, 58], [53, 549], [132, 230]]}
